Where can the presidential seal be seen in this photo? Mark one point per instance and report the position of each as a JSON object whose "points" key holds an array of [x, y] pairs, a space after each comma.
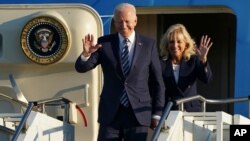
{"points": [[44, 40]]}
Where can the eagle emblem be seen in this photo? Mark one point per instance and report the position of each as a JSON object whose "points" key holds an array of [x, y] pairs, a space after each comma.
{"points": [[45, 40]]}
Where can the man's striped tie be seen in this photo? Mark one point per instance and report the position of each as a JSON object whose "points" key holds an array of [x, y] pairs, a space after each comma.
{"points": [[125, 67]]}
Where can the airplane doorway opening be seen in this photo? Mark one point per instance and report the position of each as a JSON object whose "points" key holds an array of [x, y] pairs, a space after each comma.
{"points": [[219, 23]]}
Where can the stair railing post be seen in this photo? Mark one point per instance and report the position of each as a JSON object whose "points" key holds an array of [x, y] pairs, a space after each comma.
{"points": [[23, 121], [164, 116]]}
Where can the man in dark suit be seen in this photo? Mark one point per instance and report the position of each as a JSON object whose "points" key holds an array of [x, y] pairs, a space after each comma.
{"points": [[126, 108]]}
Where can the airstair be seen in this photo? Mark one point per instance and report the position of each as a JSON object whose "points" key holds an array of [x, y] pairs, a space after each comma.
{"points": [[198, 126], [35, 125], [31, 121]]}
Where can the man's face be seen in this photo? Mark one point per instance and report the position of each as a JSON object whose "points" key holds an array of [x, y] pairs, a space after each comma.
{"points": [[125, 22]]}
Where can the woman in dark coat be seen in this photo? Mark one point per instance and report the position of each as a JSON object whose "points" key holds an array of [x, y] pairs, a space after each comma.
{"points": [[182, 64]]}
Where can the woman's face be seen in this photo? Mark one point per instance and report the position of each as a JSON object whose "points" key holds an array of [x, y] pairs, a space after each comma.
{"points": [[176, 46]]}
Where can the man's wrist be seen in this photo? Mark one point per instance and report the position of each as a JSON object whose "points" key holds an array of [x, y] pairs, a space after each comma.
{"points": [[83, 58], [85, 54], [156, 117]]}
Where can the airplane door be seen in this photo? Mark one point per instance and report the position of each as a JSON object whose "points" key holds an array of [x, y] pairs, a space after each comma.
{"points": [[39, 45]]}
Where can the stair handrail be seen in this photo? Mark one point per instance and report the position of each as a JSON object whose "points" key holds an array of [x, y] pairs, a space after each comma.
{"points": [[21, 103], [204, 101], [30, 107], [164, 116], [55, 102], [181, 102], [22, 122]]}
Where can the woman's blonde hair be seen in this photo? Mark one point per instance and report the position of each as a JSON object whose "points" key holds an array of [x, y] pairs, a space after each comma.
{"points": [[172, 33]]}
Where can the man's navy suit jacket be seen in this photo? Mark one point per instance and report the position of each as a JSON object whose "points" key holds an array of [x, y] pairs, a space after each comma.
{"points": [[145, 64]]}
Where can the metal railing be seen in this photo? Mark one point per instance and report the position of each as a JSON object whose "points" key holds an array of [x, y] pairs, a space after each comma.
{"points": [[21, 103], [203, 100], [40, 106], [164, 116], [22, 122]]}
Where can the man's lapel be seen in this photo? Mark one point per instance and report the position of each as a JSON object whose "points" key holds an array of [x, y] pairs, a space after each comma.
{"points": [[116, 52], [137, 50]]}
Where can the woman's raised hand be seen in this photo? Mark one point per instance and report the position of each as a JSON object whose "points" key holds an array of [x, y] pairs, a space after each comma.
{"points": [[205, 45]]}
